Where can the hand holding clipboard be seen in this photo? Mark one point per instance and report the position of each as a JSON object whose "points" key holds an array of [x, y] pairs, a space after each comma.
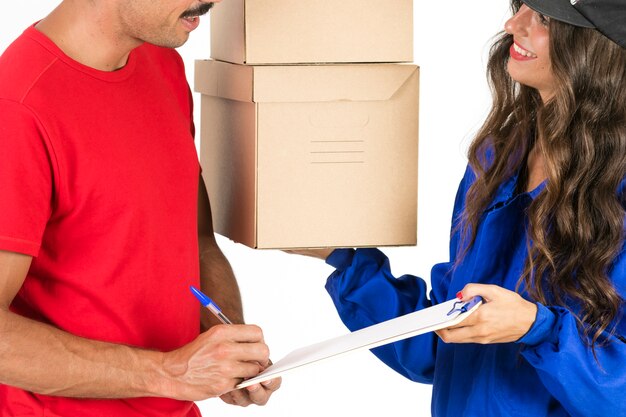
{"points": [[429, 319]]}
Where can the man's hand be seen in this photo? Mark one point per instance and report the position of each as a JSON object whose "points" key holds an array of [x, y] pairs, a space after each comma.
{"points": [[258, 394], [215, 362], [503, 317]]}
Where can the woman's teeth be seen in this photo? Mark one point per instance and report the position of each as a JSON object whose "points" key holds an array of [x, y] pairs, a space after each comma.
{"points": [[523, 51]]}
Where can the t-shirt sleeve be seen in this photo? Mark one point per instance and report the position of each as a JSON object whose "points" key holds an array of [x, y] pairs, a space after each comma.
{"points": [[26, 179]]}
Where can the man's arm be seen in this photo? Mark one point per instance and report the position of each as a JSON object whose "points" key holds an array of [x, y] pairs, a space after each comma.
{"points": [[76, 367], [73, 366], [216, 275], [218, 280]]}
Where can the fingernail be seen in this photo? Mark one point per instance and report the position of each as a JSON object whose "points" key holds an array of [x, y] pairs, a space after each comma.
{"points": [[459, 295], [253, 388]]}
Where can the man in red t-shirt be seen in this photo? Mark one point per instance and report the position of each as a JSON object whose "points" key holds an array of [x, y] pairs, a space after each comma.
{"points": [[105, 223]]}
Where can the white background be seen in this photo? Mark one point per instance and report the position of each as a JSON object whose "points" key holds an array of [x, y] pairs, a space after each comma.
{"points": [[284, 294]]}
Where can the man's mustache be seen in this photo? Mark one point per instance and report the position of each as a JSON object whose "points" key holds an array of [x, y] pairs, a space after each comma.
{"points": [[198, 11]]}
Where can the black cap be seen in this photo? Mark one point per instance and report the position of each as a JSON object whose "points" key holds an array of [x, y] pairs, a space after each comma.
{"points": [[608, 16]]}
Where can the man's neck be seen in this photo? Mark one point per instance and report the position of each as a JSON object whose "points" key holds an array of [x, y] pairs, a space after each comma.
{"points": [[87, 32]]}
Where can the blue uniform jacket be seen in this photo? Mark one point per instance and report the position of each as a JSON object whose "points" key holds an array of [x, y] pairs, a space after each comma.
{"points": [[549, 372]]}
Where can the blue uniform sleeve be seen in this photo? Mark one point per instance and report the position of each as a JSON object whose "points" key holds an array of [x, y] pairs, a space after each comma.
{"points": [[365, 293], [584, 384]]}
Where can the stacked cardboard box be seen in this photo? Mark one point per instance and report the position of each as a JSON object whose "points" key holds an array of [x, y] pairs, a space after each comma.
{"points": [[309, 123]]}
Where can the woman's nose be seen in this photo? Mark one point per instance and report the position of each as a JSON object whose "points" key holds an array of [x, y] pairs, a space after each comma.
{"points": [[519, 22]]}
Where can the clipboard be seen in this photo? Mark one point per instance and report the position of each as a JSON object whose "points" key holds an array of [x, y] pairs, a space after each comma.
{"points": [[429, 319]]}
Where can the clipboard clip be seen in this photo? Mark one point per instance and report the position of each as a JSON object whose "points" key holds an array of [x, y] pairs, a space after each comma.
{"points": [[464, 306]]}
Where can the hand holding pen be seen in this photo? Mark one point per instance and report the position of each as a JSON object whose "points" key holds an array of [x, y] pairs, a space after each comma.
{"points": [[259, 393]]}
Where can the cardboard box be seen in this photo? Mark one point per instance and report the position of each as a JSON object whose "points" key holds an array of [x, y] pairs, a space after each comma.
{"points": [[311, 156], [312, 31]]}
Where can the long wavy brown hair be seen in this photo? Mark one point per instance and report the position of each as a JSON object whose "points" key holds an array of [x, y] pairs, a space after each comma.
{"points": [[576, 224]]}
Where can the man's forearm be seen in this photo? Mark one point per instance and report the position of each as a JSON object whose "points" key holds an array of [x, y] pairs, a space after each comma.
{"points": [[43, 359], [218, 280]]}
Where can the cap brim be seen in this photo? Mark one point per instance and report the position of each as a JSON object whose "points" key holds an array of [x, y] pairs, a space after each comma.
{"points": [[609, 17], [561, 10]]}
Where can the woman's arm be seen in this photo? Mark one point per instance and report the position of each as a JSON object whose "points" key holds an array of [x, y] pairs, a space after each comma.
{"points": [[365, 293], [584, 381]]}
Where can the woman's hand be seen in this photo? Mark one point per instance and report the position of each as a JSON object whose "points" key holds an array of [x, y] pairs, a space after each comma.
{"points": [[503, 317]]}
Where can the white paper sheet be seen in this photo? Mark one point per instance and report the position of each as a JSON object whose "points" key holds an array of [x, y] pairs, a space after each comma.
{"points": [[412, 324]]}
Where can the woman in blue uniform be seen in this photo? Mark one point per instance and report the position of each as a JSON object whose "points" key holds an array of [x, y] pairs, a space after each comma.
{"points": [[537, 231]]}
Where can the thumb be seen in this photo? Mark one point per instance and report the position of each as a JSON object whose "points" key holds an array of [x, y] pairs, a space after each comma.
{"points": [[487, 291]]}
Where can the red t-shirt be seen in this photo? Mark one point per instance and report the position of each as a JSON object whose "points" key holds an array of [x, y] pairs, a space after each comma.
{"points": [[98, 182]]}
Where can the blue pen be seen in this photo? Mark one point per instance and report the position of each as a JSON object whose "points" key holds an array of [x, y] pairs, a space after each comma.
{"points": [[208, 303]]}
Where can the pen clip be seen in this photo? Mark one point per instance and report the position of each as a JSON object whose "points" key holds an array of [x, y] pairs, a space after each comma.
{"points": [[466, 306]]}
